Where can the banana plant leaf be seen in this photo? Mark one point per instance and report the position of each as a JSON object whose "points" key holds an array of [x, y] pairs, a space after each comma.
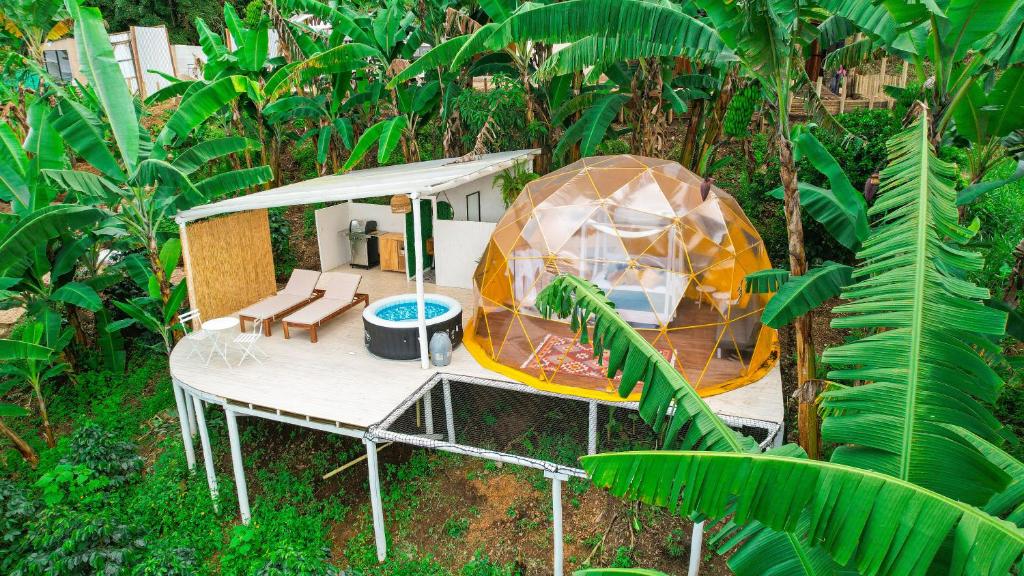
{"points": [[11, 150], [765, 281], [439, 56], [197, 156], [82, 130], [925, 359], [801, 294], [366, 140], [78, 294], [20, 350], [975, 191], [869, 520], [227, 183], [36, 229], [111, 343], [43, 142], [589, 131], [100, 67], [200, 105]]}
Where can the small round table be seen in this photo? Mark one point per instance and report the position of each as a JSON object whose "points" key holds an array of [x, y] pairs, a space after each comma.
{"points": [[217, 327]]}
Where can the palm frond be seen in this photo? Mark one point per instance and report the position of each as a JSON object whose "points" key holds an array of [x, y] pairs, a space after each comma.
{"points": [[692, 424], [926, 322], [876, 523], [801, 294]]}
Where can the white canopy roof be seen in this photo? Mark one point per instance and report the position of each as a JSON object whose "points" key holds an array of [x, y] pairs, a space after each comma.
{"points": [[419, 178]]}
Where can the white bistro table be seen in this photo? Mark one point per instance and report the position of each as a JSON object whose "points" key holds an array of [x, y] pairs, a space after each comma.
{"points": [[217, 328]]}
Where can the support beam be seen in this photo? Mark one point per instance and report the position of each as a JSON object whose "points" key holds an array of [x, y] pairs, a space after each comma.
{"points": [[592, 429], [558, 567], [376, 505], [421, 314], [186, 435], [204, 438], [449, 415], [696, 549], [236, 461], [428, 411]]}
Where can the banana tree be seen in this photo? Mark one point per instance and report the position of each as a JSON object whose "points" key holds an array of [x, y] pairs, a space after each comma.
{"points": [[141, 181], [13, 351], [36, 368], [919, 433], [967, 52], [35, 22]]}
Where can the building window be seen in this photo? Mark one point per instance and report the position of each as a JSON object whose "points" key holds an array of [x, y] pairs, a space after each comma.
{"points": [[58, 65]]}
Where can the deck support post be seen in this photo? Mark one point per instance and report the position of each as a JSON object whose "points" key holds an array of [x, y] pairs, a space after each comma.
{"points": [[449, 415], [592, 429], [204, 438], [376, 505], [421, 314], [186, 435], [558, 566], [236, 462], [428, 411], [190, 408], [696, 548]]}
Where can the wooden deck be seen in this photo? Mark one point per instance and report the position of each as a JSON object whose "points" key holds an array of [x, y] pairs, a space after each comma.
{"points": [[336, 380]]}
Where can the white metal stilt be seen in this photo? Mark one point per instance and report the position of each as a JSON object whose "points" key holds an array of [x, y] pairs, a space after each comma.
{"points": [[428, 411], [696, 548], [190, 409], [449, 415], [236, 462], [204, 439], [376, 505], [592, 429], [556, 526], [186, 435]]}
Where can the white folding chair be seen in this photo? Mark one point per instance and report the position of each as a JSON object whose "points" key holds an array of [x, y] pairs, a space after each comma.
{"points": [[194, 337], [248, 342]]}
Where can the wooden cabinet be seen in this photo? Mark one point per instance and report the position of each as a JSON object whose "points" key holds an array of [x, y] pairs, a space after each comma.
{"points": [[392, 252]]}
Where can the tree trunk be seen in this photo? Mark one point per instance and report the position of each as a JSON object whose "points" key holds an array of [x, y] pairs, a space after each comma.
{"points": [[647, 85], [690, 140], [805, 355], [51, 439], [153, 253], [27, 452], [713, 124]]}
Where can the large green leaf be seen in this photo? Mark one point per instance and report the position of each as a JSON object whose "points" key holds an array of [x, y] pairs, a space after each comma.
{"points": [[13, 187], [764, 281], [840, 218], [89, 188], [110, 343], [100, 67], [801, 294], [849, 56], [338, 59], [83, 132], [11, 152], [366, 140], [339, 19], [692, 424], [78, 294], [390, 136], [172, 90], [227, 183], [440, 56], [923, 359], [877, 523], [200, 105], [43, 142], [36, 229], [197, 156], [589, 131], [19, 350]]}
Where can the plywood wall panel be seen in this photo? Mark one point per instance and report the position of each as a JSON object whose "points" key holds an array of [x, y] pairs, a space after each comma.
{"points": [[229, 263]]}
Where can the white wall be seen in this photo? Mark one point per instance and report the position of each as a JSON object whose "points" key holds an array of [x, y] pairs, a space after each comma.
{"points": [[187, 59], [332, 229], [331, 224], [458, 247], [491, 205]]}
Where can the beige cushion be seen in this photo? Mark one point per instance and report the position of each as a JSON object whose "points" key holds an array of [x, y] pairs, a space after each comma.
{"points": [[301, 283], [341, 289], [272, 306]]}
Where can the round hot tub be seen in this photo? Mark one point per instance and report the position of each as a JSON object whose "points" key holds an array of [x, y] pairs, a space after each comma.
{"points": [[390, 328]]}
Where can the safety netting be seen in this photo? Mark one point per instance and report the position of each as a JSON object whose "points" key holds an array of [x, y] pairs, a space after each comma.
{"points": [[519, 424]]}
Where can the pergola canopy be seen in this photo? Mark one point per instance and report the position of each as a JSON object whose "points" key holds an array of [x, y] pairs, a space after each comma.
{"points": [[419, 178]]}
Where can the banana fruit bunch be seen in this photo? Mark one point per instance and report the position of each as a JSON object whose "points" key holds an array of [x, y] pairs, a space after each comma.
{"points": [[741, 108]]}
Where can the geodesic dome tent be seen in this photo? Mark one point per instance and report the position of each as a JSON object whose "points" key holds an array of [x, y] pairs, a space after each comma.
{"points": [[672, 262]]}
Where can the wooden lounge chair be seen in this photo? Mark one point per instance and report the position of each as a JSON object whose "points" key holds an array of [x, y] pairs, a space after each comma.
{"points": [[339, 296], [297, 293]]}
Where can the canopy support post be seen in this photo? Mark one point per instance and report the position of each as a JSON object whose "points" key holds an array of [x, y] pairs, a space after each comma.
{"points": [[592, 429], [421, 314], [696, 549], [204, 438], [376, 505], [236, 462], [556, 515], [186, 435]]}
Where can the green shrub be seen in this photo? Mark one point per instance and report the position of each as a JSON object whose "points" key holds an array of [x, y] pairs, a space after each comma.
{"points": [[71, 543], [482, 565], [102, 452], [274, 540], [505, 103], [1001, 214], [280, 243], [17, 510], [163, 561]]}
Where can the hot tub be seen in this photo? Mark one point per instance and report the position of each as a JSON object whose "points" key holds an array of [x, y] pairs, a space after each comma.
{"points": [[390, 329]]}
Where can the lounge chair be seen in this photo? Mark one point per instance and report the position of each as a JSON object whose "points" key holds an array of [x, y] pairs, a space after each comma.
{"points": [[339, 296], [299, 291]]}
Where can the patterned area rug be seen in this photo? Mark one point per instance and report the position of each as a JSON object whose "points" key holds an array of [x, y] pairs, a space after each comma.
{"points": [[568, 356]]}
